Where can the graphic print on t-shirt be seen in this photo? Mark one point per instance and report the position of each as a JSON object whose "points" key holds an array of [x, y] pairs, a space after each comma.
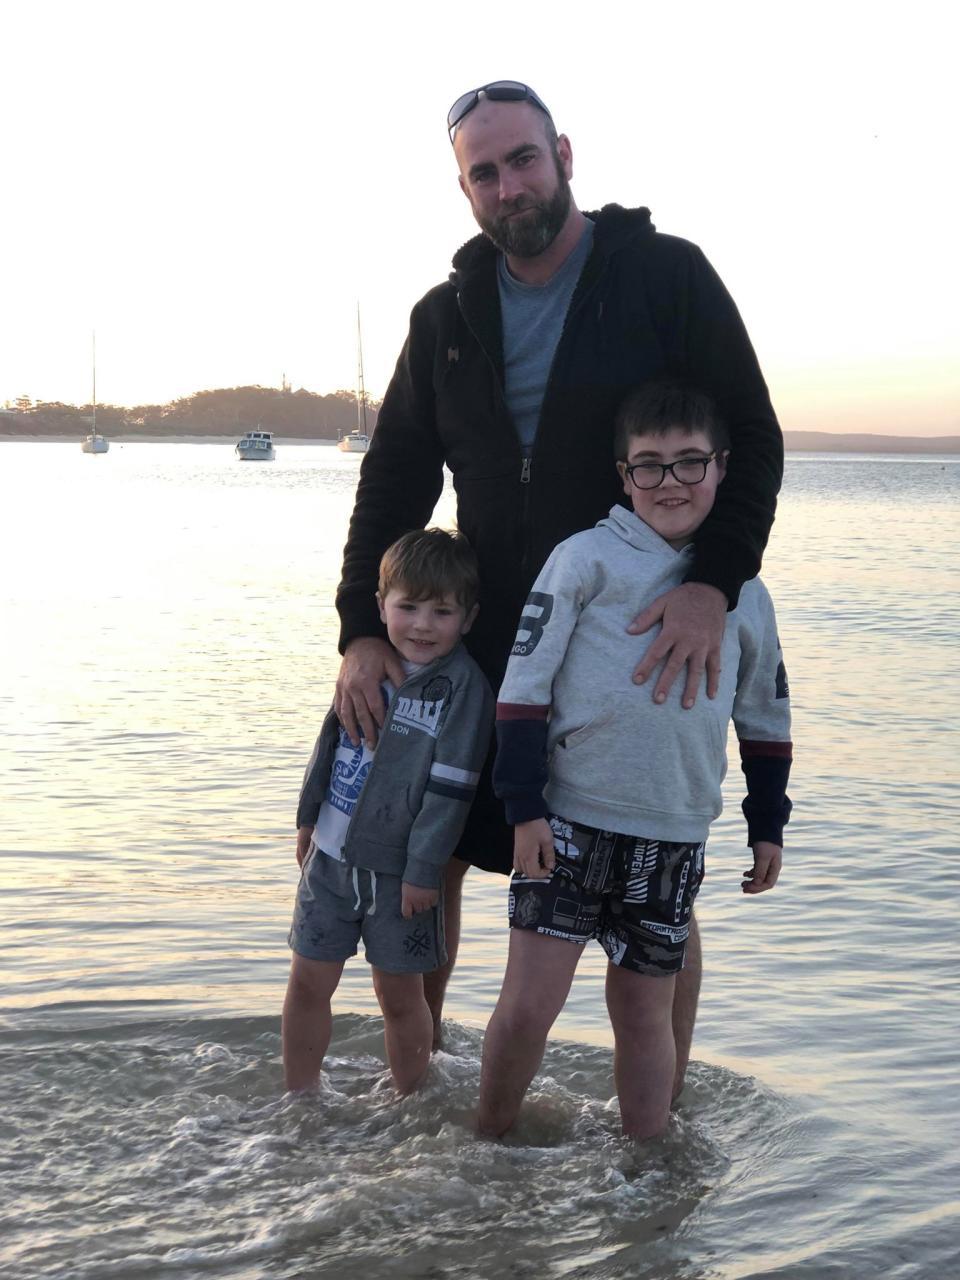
{"points": [[349, 773]]}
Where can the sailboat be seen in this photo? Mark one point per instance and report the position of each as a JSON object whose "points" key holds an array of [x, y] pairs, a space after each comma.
{"points": [[357, 441], [94, 442]]}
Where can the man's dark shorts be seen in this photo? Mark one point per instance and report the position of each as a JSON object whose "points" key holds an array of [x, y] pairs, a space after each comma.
{"points": [[635, 896]]}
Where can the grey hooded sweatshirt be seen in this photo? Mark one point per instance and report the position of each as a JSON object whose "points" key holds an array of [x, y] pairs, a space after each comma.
{"points": [[415, 800], [576, 737]]}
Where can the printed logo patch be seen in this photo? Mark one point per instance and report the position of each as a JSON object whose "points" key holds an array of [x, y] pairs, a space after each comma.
{"points": [[418, 713], [417, 943], [783, 688], [527, 910], [536, 615], [348, 775]]}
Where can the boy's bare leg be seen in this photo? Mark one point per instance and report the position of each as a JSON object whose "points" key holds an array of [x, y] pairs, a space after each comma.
{"points": [[307, 1020], [644, 1058], [435, 983], [407, 1026], [685, 997], [535, 987]]}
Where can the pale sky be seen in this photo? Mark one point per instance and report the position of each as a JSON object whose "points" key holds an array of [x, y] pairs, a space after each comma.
{"points": [[214, 186]]}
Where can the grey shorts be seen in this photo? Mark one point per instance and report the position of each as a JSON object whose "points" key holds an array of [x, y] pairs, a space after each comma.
{"points": [[337, 905], [635, 896]]}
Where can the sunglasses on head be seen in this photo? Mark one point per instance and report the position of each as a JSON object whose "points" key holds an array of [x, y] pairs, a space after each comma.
{"points": [[497, 91]]}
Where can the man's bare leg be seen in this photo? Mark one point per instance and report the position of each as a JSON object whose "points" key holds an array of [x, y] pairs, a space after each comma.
{"points": [[644, 1058], [307, 1020], [535, 987], [685, 996], [407, 1027], [435, 983]]}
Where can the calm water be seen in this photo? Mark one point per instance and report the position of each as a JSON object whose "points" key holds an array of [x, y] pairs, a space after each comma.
{"points": [[168, 648]]}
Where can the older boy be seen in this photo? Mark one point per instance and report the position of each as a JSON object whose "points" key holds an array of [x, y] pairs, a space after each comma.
{"points": [[611, 798], [375, 830]]}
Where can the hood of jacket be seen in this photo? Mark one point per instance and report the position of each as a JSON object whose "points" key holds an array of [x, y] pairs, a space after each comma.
{"points": [[626, 524], [614, 228]]}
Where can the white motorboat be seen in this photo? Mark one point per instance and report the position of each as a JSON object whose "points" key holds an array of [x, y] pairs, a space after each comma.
{"points": [[94, 443], [256, 446], [357, 441]]}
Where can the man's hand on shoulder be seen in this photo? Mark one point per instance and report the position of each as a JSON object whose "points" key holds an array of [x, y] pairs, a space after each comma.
{"points": [[368, 660], [414, 899], [692, 618], [767, 862]]}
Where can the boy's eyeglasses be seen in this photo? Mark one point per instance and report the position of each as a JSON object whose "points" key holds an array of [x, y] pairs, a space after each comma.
{"points": [[651, 475], [497, 91]]}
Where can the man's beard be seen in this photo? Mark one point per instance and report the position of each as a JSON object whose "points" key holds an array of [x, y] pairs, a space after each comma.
{"points": [[528, 235]]}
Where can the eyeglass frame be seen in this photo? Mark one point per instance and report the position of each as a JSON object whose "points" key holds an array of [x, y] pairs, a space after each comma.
{"points": [[496, 91], [627, 469]]}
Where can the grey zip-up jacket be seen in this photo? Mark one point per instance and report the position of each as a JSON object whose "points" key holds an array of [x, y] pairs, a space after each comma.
{"points": [[416, 797], [577, 738]]}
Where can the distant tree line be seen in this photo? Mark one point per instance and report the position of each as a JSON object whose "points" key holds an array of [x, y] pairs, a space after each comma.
{"points": [[228, 411]]}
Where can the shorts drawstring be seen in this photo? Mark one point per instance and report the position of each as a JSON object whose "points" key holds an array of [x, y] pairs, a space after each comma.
{"points": [[373, 890]]}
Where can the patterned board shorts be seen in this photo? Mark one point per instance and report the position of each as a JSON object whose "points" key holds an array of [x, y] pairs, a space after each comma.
{"points": [[635, 896]]}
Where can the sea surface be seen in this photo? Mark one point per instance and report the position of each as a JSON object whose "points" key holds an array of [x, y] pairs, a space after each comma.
{"points": [[168, 648]]}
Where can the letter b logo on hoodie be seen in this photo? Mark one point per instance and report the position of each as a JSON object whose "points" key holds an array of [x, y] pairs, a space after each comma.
{"points": [[535, 616]]}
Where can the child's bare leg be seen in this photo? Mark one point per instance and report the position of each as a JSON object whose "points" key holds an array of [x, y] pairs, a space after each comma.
{"points": [[407, 1026], [535, 987], [685, 999], [307, 1020], [645, 1057], [435, 983]]}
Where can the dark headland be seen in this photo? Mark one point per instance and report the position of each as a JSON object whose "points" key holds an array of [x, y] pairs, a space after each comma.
{"points": [[305, 416]]}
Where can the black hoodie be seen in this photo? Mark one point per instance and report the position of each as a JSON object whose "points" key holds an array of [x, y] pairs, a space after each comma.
{"points": [[646, 305]]}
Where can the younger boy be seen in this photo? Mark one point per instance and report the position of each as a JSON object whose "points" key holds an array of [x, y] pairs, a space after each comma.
{"points": [[611, 795], [375, 829]]}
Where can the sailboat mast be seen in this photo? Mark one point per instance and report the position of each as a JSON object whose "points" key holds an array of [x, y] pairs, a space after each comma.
{"points": [[94, 382], [361, 393]]}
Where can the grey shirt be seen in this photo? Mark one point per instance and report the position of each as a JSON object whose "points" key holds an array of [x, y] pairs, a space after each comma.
{"points": [[533, 317]]}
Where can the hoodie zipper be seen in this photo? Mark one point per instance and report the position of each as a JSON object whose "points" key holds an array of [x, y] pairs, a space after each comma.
{"points": [[526, 464]]}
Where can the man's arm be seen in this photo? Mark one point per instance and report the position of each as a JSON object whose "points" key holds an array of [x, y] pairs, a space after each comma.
{"points": [[720, 359], [713, 352], [401, 478]]}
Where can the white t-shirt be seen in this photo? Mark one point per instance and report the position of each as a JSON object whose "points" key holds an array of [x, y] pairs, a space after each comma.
{"points": [[347, 775]]}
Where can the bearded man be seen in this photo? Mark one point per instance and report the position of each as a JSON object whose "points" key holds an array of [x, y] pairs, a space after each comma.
{"points": [[511, 375]]}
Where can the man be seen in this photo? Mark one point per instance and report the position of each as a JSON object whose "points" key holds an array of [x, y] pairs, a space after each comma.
{"points": [[511, 374]]}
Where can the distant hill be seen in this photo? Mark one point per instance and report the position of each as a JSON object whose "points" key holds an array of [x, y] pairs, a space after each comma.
{"points": [[306, 415], [228, 411], [850, 442]]}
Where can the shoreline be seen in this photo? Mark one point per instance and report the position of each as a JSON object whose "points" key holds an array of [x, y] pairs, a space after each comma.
{"points": [[138, 439], [801, 442]]}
